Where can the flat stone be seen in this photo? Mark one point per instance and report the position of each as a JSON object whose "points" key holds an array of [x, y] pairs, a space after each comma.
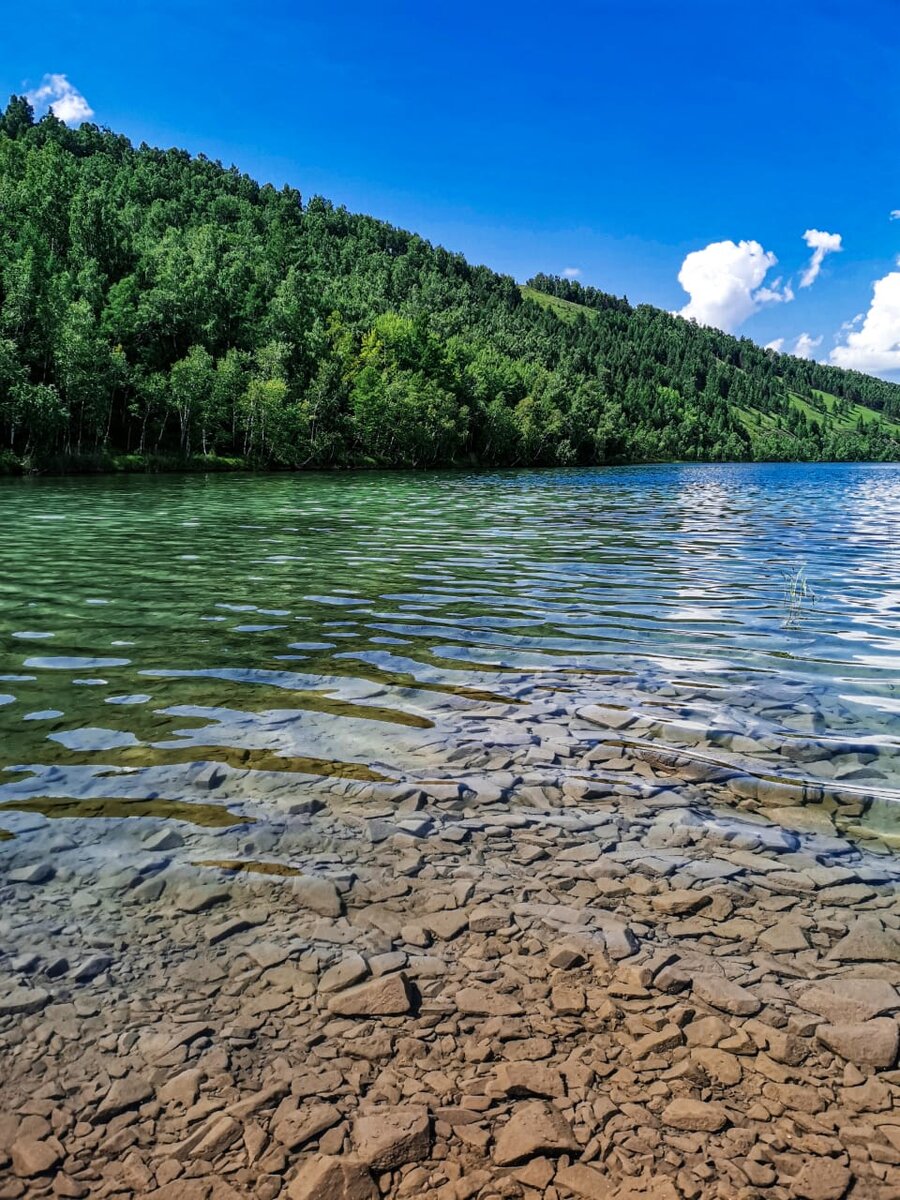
{"points": [[386, 996], [695, 1116], [867, 940], [32, 1157], [222, 1133], [853, 1000], [865, 1043], [22, 1000], [721, 993], [821, 1179], [484, 1002], [534, 1128], [328, 1177], [91, 967], [35, 873], [783, 937], [201, 898], [297, 1128], [125, 1093], [585, 1181], [390, 1137], [567, 956], [350, 970], [268, 954], [163, 839], [445, 925], [528, 1079], [485, 918], [319, 895], [680, 902]]}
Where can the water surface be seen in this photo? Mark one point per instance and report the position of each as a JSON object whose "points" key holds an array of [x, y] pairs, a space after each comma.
{"points": [[168, 640]]}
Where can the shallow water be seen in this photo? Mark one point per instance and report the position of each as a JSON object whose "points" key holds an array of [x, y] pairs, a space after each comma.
{"points": [[235, 640]]}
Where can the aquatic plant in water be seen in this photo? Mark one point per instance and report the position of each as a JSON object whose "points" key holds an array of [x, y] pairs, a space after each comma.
{"points": [[799, 596]]}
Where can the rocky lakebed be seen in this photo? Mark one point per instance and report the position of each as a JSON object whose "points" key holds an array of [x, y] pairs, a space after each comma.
{"points": [[562, 971]]}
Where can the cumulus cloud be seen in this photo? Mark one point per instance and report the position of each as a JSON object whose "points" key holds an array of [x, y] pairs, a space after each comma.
{"points": [[895, 214], [55, 94], [725, 283], [820, 243], [875, 346], [805, 345], [571, 272]]}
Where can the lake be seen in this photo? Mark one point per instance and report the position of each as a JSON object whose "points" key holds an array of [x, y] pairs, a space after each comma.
{"points": [[452, 825], [409, 626]]}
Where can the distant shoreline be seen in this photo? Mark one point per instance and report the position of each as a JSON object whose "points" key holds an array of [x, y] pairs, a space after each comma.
{"points": [[166, 464]]}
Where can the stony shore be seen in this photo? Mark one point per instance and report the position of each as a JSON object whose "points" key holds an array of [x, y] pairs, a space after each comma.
{"points": [[635, 981]]}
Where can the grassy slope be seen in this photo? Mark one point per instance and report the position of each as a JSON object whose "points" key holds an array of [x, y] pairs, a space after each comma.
{"points": [[819, 406]]}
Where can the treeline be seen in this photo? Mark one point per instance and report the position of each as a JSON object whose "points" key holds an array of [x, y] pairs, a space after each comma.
{"points": [[159, 306]]}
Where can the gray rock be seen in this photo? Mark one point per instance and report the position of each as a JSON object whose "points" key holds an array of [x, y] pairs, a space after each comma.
{"points": [[22, 1000], [34, 874]]}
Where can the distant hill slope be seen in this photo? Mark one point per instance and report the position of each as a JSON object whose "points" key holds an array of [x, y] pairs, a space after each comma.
{"points": [[159, 308]]}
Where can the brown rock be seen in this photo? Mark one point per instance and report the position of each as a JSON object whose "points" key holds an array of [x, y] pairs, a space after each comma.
{"points": [[782, 937], [821, 1179], [385, 996], [297, 1128], [221, 1134], [680, 902], [128, 1092], [484, 1002], [319, 895], [386, 1138], [529, 1079], [327, 1177], [534, 1128], [839, 1000], [33, 1157], [723, 994], [584, 1181], [866, 1043], [695, 1116], [867, 940]]}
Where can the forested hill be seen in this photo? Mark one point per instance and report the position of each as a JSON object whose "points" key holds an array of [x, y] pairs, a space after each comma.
{"points": [[156, 307]]}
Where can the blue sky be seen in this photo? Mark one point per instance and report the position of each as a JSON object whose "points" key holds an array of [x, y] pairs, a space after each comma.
{"points": [[611, 138]]}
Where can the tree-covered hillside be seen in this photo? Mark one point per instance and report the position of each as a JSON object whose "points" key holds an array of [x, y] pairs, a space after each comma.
{"points": [[156, 307]]}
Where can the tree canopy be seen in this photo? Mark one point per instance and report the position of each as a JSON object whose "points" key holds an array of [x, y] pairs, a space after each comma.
{"points": [[159, 305]]}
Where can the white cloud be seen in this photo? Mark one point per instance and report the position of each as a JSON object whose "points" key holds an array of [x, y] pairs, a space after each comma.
{"points": [[55, 94], [774, 293], [895, 214], [846, 326], [820, 243], [571, 272], [875, 346], [805, 345], [724, 282], [802, 348]]}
